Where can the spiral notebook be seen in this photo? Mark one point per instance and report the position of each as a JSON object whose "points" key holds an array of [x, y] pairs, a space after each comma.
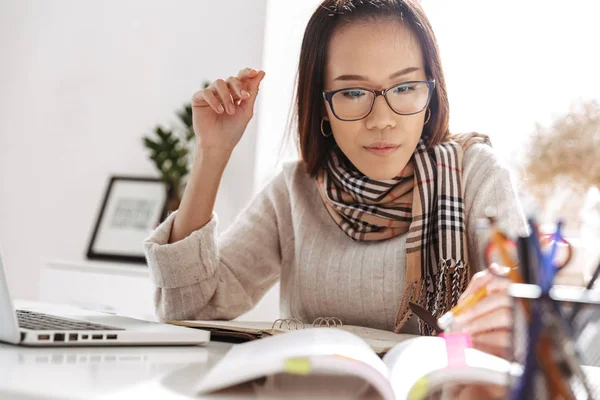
{"points": [[243, 331]]}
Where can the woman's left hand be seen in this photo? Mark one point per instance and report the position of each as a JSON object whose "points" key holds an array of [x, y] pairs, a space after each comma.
{"points": [[489, 321]]}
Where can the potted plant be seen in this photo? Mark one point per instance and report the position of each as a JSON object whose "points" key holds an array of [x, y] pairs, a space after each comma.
{"points": [[562, 174], [561, 162], [169, 150]]}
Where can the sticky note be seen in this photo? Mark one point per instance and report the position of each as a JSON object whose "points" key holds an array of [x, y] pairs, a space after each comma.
{"points": [[456, 343], [419, 389], [297, 366]]}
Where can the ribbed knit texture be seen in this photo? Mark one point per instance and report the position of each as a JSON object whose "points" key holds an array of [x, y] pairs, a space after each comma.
{"points": [[286, 234]]}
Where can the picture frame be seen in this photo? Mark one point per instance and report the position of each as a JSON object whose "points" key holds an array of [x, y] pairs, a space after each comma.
{"points": [[131, 208]]}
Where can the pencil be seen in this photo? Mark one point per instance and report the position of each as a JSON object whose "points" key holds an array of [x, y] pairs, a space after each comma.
{"points": [[448, 318]]}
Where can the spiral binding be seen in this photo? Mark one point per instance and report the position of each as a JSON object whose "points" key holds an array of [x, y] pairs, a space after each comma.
{"points": [[329, 322], [289, 322], [295, 323]]}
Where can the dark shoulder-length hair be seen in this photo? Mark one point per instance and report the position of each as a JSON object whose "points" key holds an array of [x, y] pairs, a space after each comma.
{"points": [[327, 18]]}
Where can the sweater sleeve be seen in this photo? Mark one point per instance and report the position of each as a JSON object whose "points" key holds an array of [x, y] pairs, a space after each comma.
{"points": [[205, 277], [488, 183]]}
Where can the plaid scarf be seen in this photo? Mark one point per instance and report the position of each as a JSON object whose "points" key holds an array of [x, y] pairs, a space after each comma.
{"points": [[425, 202]]}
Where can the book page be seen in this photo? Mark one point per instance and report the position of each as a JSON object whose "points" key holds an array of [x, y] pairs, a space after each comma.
{"points": [[412, 360], [325, 386], [314, 350], [380, 341]]}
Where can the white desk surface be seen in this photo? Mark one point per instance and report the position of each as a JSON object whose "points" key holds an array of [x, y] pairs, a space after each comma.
{"points": [[104, 372], [110, 373], [165, 372]]}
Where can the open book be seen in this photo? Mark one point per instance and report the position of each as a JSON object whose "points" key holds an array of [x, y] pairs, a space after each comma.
{"points": [[242, 331], [332, 362]]}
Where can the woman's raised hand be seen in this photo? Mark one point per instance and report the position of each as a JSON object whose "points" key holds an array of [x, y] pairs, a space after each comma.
{"points": [[222, 111]]}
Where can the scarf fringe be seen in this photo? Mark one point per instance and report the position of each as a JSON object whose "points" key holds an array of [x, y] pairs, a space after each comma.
{"points": [[452, 280], [404, 313]]}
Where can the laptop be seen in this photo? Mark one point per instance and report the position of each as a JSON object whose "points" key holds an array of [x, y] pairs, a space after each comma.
{"points": [[30, 327]]}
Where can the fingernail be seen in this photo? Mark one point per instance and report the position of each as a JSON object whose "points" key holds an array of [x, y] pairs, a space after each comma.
{"points": [[221, 109], [245, 94]]}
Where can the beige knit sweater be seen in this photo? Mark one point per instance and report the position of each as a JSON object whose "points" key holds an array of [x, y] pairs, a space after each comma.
{"points": [[286, 234]]}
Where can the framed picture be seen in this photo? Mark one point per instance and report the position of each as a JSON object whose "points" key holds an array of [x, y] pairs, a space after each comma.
{"points": [[131, 208]]}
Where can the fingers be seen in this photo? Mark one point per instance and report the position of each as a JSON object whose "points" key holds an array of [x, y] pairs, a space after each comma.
{"points": [[492, 312], [479, 280], [493, 337], [253, 86], [237, 89], [247, 73], [492, 278], [500, 319], [227, 95], [481, 391], [498, 284], [499, 269], [224, 95], [496, 342], [254, 83], [489, 322], [498, 339], [204, 98]]}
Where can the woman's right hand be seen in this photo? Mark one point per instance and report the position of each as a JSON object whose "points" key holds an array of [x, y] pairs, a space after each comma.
{"points": [[222, 111]]}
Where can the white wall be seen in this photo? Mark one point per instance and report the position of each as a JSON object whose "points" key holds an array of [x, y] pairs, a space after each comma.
{"points": [[80, 83], [508, 66], [283, 38], [515, 63]]}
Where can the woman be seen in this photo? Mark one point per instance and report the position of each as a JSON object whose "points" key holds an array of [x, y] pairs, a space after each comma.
{"points": [[380, 211]]}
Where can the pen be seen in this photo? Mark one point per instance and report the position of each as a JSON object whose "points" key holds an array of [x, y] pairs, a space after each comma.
{"points": [[524, 259], [590, 285], [448, 318], [498, 239], [540, 341]]}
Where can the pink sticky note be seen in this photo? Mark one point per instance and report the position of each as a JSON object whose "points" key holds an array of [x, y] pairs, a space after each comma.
{"points": [[456, 343]]}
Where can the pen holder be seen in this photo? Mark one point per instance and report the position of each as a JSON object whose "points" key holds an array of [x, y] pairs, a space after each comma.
{"points": [[557, 340]]}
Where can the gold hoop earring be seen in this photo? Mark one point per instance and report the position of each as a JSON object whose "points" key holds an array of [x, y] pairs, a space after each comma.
{"points": [[428, 117], [322, 131]]}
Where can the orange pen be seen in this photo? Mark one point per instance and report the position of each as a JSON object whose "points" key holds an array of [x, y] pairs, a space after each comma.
{"points": [[514, 275], [448, 318]]}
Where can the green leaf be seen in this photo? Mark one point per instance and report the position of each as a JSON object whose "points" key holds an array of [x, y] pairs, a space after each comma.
{"points": [[170, 150], [149, 143]]}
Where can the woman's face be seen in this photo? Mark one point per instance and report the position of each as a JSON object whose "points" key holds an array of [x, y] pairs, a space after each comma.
{"points": [[375, 56]]}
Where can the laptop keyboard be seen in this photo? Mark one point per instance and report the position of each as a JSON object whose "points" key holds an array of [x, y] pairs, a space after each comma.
{"points": [[44, 322]]}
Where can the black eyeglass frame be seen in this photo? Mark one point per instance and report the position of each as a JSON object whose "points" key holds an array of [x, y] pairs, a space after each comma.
{"points": [[328, 96]]}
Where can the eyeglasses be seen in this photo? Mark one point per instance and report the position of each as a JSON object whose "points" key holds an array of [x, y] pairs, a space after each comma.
{"points": [[406, 98]]}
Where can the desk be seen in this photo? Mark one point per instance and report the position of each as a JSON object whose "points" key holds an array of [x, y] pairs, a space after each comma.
{"points": [[104, 372], [115, 373], [165, 372]]}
